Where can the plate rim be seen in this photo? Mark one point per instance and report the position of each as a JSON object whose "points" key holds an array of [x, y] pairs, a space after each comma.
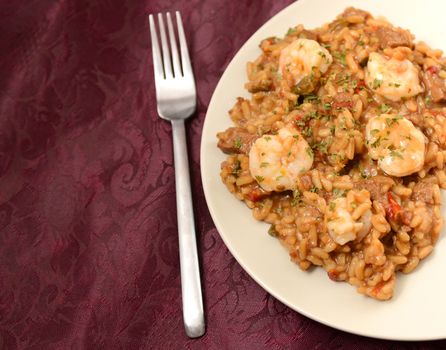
{"points": [[218, 225]]}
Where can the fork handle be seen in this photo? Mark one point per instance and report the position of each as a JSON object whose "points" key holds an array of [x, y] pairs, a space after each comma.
{"points": [[193, 315]]}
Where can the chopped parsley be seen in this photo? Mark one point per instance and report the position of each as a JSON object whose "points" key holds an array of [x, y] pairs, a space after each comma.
{"points": [[308, 131], [291, 31], [395, 154], [310, 152], [337, 192], [236, 168], [267, 138], [272, 231], [264, 164], [391, 121], [377, 142], [332, 206], [373, 132], [311, 98], [314, 189], [340, 56], [300, 123], [322, 147], [278, 210], [322, 54], [335, 157], [384, 108], [260, 178], [326, 106], [238, 142], [344, 79], [297, 197], [377, 83]]}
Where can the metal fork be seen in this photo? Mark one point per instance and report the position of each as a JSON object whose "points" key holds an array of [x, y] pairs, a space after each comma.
{"points": [[176, 100]]}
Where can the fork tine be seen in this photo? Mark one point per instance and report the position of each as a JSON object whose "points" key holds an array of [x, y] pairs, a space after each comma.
{"points": [[165, 48], [173, 48], [187, 68], [156, 54]]}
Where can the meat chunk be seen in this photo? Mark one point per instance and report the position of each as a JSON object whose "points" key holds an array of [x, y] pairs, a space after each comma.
{"points": [[354, 15], [370, 186], [389, 37], [306, 182], [351, 11], [377, 186], [259, 85], [434, 84], [424, 192], [308, 35], [342, 100], [416, 118], [235, 140]]}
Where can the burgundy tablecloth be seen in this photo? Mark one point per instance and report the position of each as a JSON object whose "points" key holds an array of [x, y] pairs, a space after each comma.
{"points": [[88, 238]]}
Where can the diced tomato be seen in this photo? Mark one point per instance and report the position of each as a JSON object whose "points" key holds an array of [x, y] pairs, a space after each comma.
{"points": [[406, 217], [378, 287], [256, 194], [298, 117], [393, 210], [435, 112], [433, 70], [359, 86], [342, 104], [333, 275]]}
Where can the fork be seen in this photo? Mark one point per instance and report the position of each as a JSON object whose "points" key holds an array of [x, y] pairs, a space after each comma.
{"points": [[176, 101]]}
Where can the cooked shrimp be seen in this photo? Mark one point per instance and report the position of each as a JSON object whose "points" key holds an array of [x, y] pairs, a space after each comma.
{"points": [[397, 144], [299, 59], [344, 223], [275, 161], [392, 78]]}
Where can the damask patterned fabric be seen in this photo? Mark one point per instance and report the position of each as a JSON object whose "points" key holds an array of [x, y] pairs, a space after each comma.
{"points": [[88, 238]]}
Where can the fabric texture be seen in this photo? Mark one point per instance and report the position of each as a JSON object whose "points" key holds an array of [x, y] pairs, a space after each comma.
{"points": [[88, 235]]}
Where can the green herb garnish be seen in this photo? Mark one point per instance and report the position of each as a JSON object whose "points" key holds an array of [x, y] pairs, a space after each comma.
{"points": [[310, 152], [314, 189], [272, 231], [395, 154], [340, 56], [236, 168], [384, 108], [339, 193], [377, 83], [297, 197], [238, 142], [291, 31]]}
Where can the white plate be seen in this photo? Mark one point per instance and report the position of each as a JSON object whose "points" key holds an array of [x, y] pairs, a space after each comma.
{"points": [[418, 308]]}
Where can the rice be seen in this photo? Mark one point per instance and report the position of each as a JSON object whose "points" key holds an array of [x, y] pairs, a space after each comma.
{"points": [[398, 218]]}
